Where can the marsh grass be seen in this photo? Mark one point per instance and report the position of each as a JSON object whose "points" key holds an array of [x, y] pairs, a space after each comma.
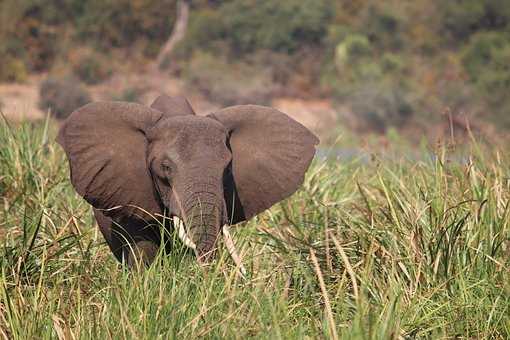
{"points": [[373, 250]]}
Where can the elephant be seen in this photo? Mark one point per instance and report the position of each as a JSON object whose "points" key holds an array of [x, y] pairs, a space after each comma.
{"points": [[138, 166]]}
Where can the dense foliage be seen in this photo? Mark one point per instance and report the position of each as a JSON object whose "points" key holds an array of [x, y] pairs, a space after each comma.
{"points": [[391, 62], [367, 249]]}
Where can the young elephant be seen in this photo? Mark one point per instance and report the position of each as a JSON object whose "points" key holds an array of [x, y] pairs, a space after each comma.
{"points": [[136, 164]]}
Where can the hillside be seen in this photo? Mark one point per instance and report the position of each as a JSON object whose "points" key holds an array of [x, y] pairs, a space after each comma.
{"points": [[379, 66]]}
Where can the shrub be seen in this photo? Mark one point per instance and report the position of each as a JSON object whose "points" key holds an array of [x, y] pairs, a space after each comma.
{"points": [[90, 67], [25, 32], [62, 96], [382, 105], [12, 70], [487, 61], [336, 33], [384, 25], [355, 63], [371, 85], [280, 26], [249, 25], [205, 29], [391, 62], [119, 23], [351, 50], [461, 18], [130, 94], [39, 30], [295, 74], [485, 51], [229, 83]]}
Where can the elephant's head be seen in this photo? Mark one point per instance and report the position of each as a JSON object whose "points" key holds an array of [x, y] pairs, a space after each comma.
{"points": [[132, 161]]}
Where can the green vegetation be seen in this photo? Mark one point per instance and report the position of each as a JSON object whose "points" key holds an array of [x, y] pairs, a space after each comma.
{"points": [[219, 80], [380, 248], [89, 66], [248, 25], [392, 63], [372, 247]]}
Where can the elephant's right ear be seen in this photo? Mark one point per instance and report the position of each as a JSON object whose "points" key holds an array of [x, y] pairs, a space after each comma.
{"points": [[106, 147], [173, 106]]}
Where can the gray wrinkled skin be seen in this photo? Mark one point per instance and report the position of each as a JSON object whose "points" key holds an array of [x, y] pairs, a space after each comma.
{"points": [[134, 163]]}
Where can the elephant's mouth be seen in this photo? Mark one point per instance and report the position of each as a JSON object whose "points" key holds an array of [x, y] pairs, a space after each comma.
{"points": [[188, 242]]}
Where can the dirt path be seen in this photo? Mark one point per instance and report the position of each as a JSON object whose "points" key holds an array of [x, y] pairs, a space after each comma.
{"points": [[19, 101], [317, 115]]}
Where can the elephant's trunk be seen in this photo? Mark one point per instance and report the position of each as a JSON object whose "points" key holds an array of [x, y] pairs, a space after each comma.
{"points": [[202, 213]]}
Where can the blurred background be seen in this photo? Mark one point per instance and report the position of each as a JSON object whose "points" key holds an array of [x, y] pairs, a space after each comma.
{"points": [[421, 69]]}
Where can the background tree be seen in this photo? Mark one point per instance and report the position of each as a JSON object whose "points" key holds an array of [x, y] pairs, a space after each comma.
{"points": [[178, 32]]}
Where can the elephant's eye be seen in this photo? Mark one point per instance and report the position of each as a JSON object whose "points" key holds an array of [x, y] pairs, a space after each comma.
{"points": [[166, 169]]}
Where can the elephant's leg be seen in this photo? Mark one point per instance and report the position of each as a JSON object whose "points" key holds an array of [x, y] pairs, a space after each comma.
{"points": [[105, 226], [130, 241]]}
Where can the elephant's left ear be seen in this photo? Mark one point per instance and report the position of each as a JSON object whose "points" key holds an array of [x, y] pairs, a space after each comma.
{"points": [[172, 106], [270, 154]]}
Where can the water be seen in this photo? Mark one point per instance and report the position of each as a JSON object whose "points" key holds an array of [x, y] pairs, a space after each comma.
{"points": [[364, 157]]}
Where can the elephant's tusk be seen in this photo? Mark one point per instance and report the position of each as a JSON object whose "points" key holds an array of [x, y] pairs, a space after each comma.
{"points": [[232, 250], [181, 232]]}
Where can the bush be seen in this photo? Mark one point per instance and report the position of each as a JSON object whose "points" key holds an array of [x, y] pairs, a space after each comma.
{"points": [[26, 34], [130, 94], [487, 61], [39, 30], [371, 84], [336, 33], [62, 96], [229, 83], [384, 25], [351, 50], [485, 51], [90, 67], [249, 25], [276, 25], [462, 18], [205, 30], [356, 64], [120, 23], [295, 74], [13, 70], [382, 106], [391, 62]]}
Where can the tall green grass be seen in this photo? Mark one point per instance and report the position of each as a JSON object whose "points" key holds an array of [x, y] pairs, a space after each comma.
{"points": [[386, 248]]}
